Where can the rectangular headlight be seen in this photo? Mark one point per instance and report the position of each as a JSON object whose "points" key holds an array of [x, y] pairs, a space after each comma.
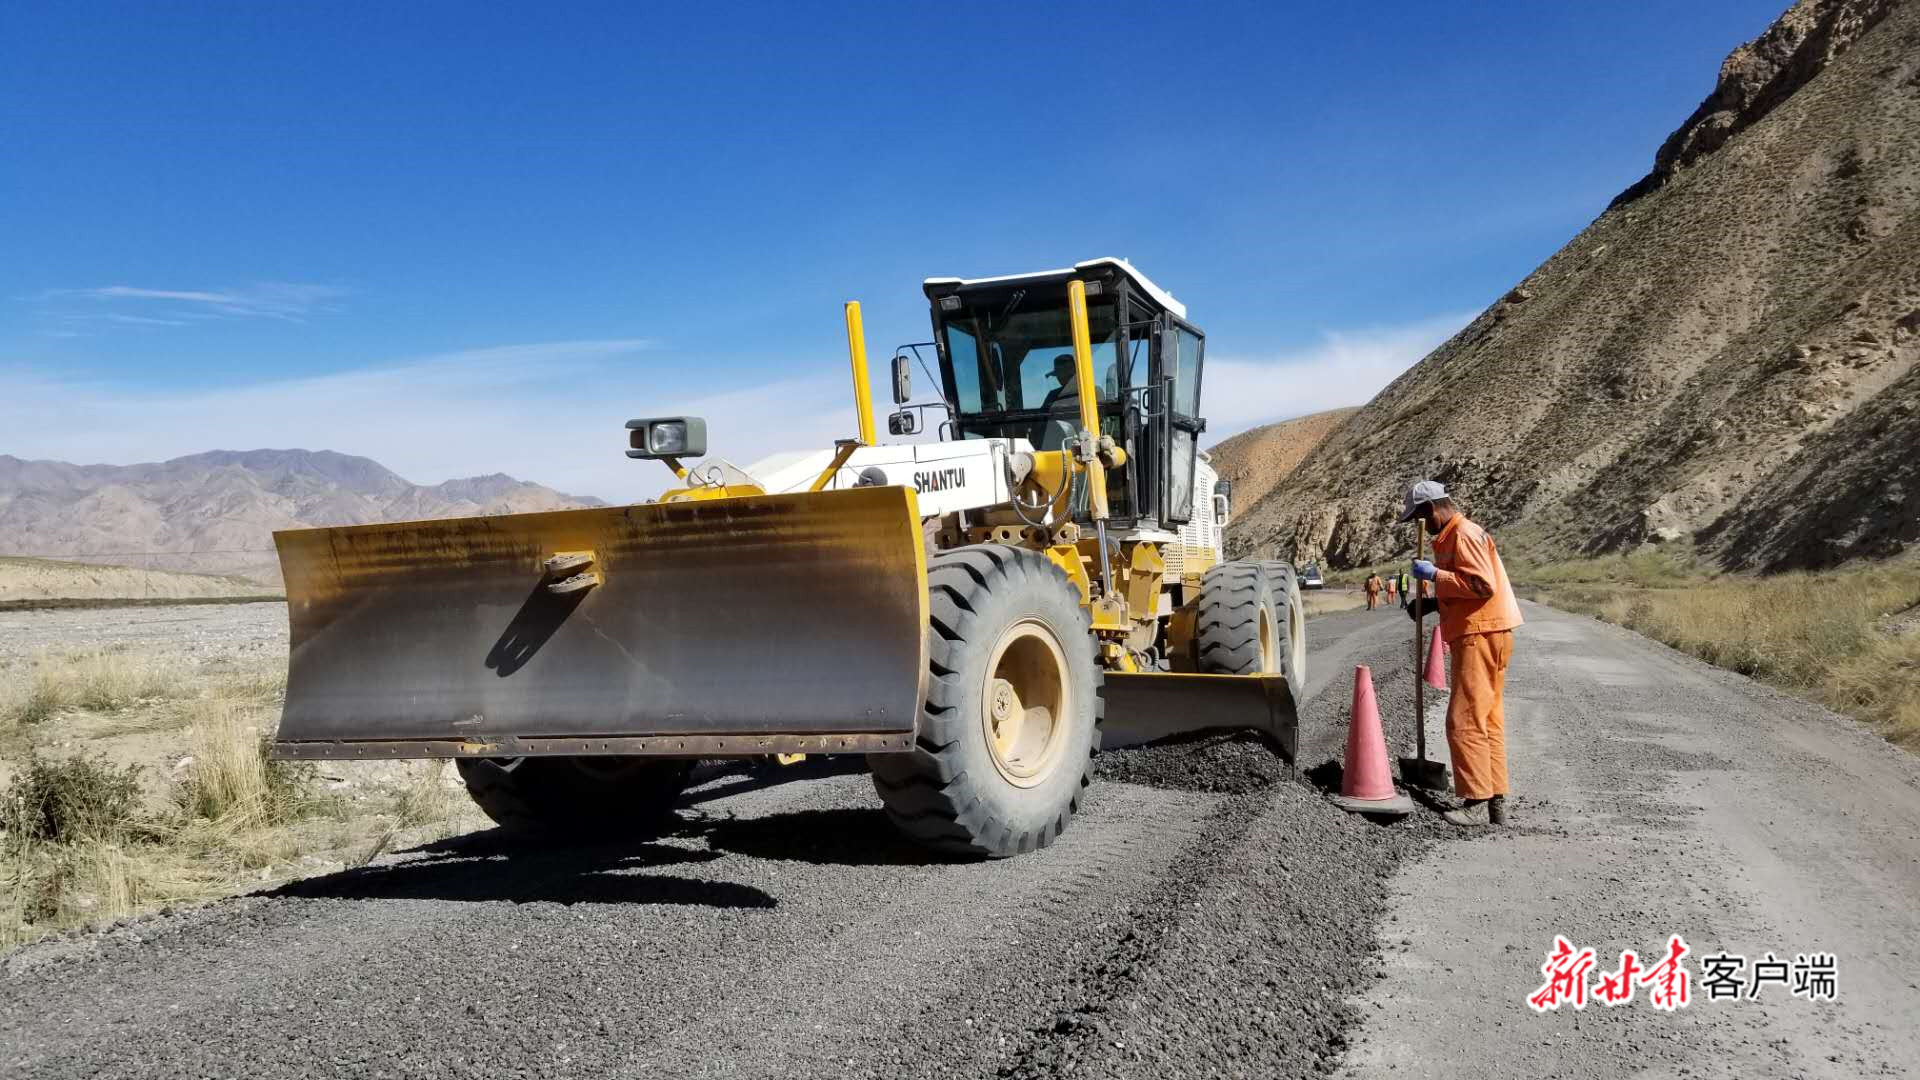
{"points": [[667, 436]]}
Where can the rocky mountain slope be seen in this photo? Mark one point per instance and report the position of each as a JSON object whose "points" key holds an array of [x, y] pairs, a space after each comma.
{"points": [[216, 512], [1258, 458], [1726, 357]]}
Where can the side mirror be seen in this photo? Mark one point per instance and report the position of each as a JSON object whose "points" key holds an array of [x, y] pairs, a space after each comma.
{"points": [[903, 422], [902, 379], [667, 437], [1221, 509]]}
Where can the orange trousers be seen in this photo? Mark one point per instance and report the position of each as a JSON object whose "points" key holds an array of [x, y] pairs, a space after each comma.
{"points": [[1476, 714]]}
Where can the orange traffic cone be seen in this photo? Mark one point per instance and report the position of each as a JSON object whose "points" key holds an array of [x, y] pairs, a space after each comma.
{"points": [[1366, 782], [1436, 676]]}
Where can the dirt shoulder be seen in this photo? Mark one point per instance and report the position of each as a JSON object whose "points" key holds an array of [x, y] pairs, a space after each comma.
{"points": [[1657, 795]]}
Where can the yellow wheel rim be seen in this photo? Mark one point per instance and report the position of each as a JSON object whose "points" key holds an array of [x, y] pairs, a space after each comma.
{"points": [[1027, 703], [1269, 659]]}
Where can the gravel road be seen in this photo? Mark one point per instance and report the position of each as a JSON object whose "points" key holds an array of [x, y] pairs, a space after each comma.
{"points": [[1209, 914], [221, 632]]}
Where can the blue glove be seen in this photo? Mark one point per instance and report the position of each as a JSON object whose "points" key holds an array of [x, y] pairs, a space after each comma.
{"points": [[1424, 570]]}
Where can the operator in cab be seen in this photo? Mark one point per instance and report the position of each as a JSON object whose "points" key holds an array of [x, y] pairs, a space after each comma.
{"points": [[1062, 405]]}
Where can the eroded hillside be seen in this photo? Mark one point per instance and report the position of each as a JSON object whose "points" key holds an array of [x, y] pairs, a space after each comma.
{"points": [[1727, 356]]}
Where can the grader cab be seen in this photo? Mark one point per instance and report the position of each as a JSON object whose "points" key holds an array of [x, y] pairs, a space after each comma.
{"points": [[977, 615]]}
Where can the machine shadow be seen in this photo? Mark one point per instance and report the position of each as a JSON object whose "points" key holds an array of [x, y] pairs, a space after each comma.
{"points": [[742, 776], [844, 836], [493, 866], [531, 627]]}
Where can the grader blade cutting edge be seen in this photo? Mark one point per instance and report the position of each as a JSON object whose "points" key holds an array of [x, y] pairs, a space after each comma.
{"points": [[1144, 707], [756, 624]]}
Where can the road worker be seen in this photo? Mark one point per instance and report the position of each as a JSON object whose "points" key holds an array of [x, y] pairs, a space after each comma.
{"points": [[1477, 615], [1374, 585], [1391, 578]]}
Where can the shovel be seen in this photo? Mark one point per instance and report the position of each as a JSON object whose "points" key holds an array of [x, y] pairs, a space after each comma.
{"points": [[1417, 771]]}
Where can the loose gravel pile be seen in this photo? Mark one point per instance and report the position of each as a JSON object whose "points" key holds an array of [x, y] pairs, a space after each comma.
{"points": [[1243, 962], [1223, 763]]}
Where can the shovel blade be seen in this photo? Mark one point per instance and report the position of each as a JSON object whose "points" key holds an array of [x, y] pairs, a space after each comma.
{"points": [[1146, 707], [1421, 773]]}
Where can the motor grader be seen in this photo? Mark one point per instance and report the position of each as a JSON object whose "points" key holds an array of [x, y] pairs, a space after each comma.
{"points": [[977, 614]]}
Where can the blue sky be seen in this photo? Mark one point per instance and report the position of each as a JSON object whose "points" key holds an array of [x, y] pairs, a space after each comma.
{"points": [[475, 238]]}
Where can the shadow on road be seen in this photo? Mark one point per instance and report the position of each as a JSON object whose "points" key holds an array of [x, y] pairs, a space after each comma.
{"points": [[493, 867], [755, 775], [849, 836]]}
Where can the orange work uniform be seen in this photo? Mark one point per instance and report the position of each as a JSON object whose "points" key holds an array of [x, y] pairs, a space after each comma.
{"points": [[1373, 591], [1477, 615]]}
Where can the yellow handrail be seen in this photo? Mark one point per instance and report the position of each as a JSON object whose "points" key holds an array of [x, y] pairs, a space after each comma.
{"points": [[862, 389], [1089, 401]]}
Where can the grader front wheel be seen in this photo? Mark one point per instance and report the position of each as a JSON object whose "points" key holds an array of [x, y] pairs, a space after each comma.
{"points": [[1012, 711]]}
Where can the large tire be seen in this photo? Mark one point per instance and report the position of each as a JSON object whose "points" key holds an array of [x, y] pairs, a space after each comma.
{"points": [[1237, 633], [1012, 711], [580, 796], [1290, 615]]}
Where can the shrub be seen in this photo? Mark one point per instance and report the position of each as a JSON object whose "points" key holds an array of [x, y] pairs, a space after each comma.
{"points": [[73, 800]]}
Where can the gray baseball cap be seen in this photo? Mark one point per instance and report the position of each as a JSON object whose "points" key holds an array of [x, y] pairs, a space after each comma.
{"points": [[1421, 491]]}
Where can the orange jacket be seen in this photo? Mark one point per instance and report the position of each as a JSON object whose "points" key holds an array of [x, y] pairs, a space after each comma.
{"points": [[1471, 586]]}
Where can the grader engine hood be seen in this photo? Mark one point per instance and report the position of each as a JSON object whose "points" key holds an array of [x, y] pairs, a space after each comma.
{"points": [[760, 624]]}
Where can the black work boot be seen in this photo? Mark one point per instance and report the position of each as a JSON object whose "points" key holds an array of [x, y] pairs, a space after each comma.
{"points": [[1471, 815], [1497, 810]]}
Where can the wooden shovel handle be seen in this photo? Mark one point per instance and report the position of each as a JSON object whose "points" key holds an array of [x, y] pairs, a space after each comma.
{"points": [[1419, 623]]}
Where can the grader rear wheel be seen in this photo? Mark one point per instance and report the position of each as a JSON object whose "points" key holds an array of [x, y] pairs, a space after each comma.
{"points": [[582, 796], [1238, 632], [1012, 711], [1291, 617]]}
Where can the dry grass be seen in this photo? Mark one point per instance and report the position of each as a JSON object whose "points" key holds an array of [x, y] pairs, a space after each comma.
{"points": [[1825, 635], [83, 841], [231, 779], [99, 681]]}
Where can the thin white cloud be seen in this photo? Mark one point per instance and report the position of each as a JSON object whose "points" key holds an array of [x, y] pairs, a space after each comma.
{"points": [[552, 413], [286, 301], [1345, 367], [125, 320], [125, 292]]}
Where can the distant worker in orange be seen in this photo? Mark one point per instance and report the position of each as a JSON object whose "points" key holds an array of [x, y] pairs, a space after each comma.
{"points": [[1374, 585], [1390, 587], [1477, 615]]}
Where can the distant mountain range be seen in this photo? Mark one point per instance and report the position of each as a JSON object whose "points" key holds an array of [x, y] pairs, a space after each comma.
{"points": [[216, 512]]}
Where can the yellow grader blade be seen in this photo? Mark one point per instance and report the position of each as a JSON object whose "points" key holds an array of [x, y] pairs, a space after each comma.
{"points": [[759, 624], [1144, 707]]}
